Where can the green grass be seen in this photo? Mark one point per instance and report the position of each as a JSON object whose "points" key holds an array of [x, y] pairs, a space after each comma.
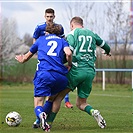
{"points": [[115, 104]]}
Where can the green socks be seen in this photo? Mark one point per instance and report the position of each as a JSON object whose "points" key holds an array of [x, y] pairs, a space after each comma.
{"points": [[51, 117], [89, 109]]}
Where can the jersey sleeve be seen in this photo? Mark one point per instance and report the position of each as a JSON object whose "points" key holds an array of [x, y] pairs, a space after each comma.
{"points": [[65, 43], [34, 47], [71, 41], [62, 33], [36, 33], [101, 43]]}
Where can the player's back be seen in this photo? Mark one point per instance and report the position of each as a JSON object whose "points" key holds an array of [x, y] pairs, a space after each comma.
{"points": [[50, 53], [84, 53]]}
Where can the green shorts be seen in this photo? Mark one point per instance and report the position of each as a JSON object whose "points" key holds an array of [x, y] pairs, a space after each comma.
{"points": [[82, 80]]}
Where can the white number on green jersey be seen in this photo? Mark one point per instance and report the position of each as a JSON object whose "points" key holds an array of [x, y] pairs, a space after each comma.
{"points": [[53, 45], [85, 39]]}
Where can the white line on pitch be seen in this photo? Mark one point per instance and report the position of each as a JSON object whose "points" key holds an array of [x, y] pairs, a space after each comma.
{"points": [[111, 95]]}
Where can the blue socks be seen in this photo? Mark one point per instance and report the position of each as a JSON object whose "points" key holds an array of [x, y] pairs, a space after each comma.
{"points": [[38, 110], [47, 107], [66, 99]]}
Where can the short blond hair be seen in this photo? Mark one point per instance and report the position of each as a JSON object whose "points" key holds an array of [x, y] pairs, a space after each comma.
{"points": [[77, 20]]}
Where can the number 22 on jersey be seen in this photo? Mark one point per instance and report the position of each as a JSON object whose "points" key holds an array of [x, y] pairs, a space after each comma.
{"points": [[85, 39]]}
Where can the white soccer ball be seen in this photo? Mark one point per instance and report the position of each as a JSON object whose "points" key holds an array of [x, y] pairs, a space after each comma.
{"points": [[13, 119]]}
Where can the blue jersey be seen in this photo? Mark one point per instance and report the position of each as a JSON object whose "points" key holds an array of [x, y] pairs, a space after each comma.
{"points": [[50, 53], [40, 31]]}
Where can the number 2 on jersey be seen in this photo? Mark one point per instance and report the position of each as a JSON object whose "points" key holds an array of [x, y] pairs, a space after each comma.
{"points": [[51, 51]]}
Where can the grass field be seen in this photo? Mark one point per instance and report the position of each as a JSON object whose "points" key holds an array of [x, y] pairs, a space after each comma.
{"points": [[115, 104]]}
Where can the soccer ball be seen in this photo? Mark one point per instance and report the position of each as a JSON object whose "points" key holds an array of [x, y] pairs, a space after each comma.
{"points": [[13, 119]]}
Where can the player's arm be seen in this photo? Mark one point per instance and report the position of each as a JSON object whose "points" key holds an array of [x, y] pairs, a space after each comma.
{"points": [[101, 43], [68, 55], [23, 57], [107, 49]]}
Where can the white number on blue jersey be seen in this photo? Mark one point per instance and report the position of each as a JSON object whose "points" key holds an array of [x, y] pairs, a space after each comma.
{"points": [[37, 65], [53, 45], [88, 39]]}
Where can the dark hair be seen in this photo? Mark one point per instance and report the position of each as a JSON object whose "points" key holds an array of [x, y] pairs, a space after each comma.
{"points": [[53, 29], [77, 20], [49, 10]]}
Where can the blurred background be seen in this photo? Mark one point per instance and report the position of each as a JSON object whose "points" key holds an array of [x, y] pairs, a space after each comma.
{"points": [[111, 20]]}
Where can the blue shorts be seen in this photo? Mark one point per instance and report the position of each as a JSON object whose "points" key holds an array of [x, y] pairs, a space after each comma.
{"points": [[48, 83]]}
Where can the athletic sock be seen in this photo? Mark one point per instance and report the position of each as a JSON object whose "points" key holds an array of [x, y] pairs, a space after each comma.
{"points": [[66, 99], [47, 107], [51, 117], [89, 109], [38, 110], [37, 120]]}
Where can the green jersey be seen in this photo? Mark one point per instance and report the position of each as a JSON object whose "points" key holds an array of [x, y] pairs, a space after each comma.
{"points": [[83, 43]]}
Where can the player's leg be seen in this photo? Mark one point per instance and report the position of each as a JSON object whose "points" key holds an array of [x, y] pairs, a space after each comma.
{"points": [[38, 104], [67, 102], [56, 106], [82, 105], [41, 90], [36, 124], [84, 91], [47, 109], [60, 90], [47, 106]]}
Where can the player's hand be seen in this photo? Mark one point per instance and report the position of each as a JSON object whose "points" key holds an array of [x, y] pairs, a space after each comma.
{"points": [[20, 58], [109, 54], [68, 67]]}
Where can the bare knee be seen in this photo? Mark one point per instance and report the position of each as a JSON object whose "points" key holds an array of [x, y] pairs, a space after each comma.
{"points": [[38, 101]]}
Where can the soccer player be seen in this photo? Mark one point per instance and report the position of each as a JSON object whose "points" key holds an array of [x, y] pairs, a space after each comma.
{"points": [[83, 44], [51, 71], [40, 31]]}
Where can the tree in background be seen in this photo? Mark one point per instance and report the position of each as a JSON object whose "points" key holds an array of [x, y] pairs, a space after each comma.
{"points": [[115, 28], [120, 32], [10, 43], [28, 40], [82, 9]]}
